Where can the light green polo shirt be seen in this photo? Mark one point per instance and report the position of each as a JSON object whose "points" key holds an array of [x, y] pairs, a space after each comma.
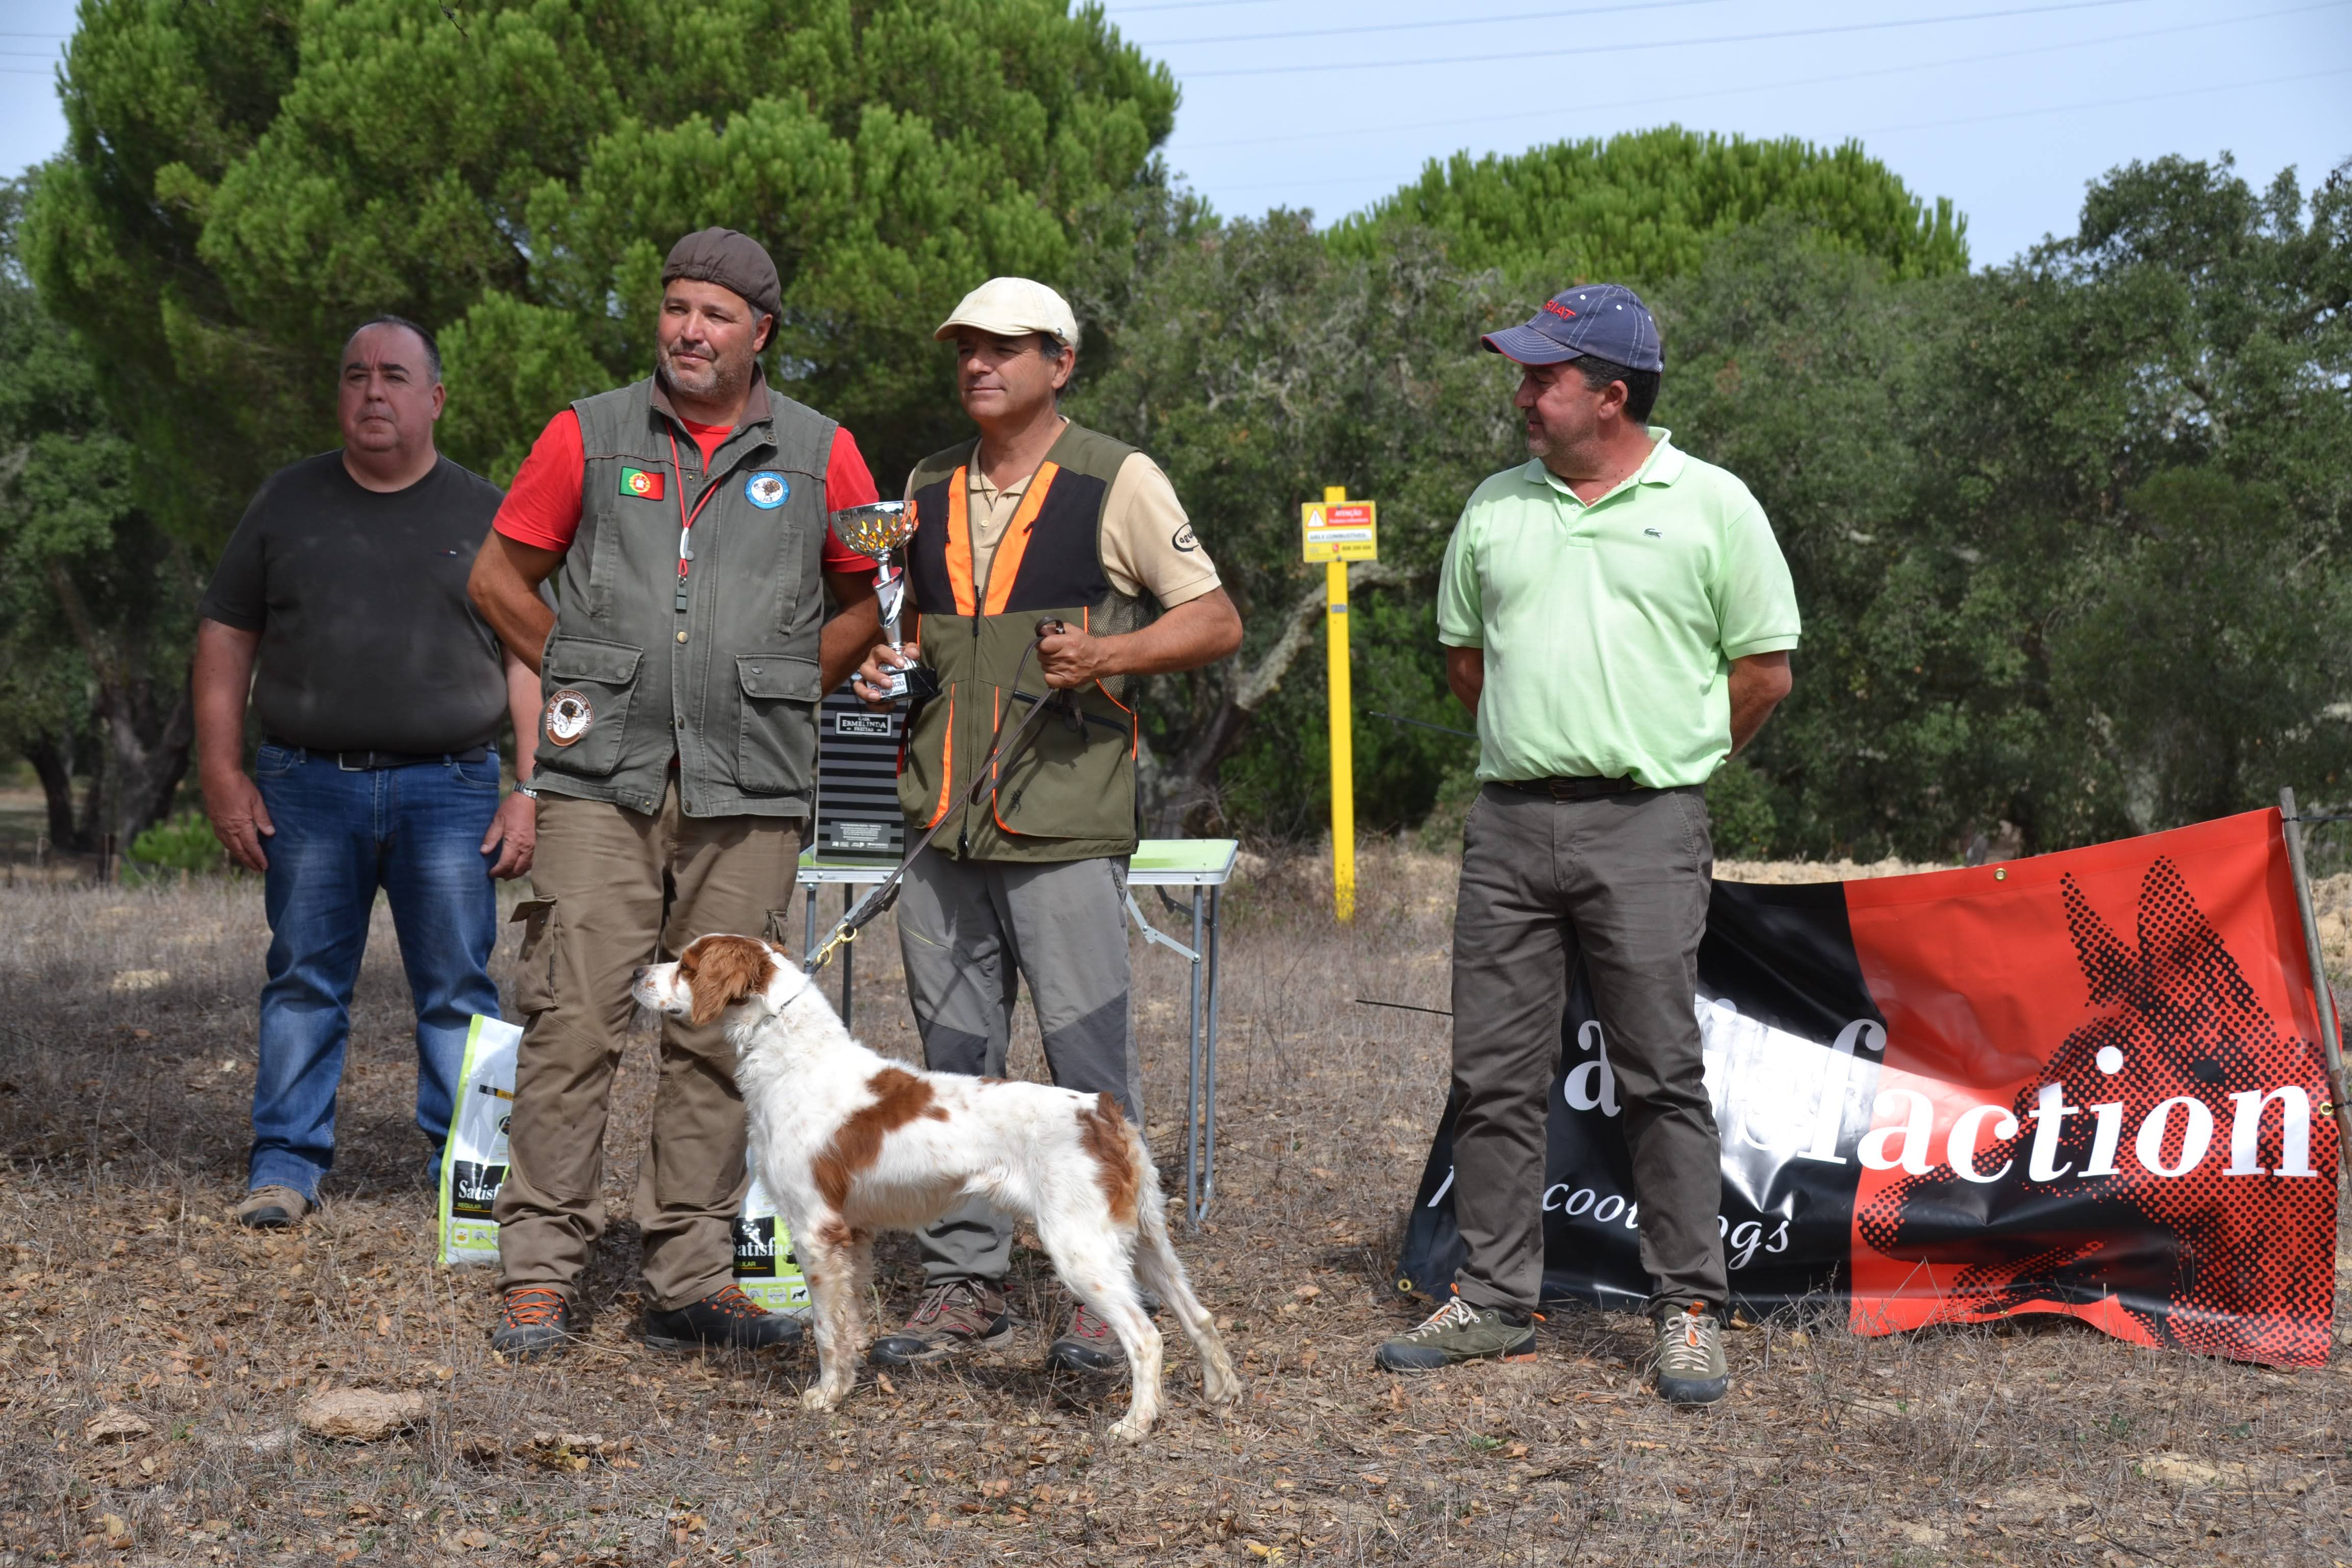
{"points": [[1609, 628]]}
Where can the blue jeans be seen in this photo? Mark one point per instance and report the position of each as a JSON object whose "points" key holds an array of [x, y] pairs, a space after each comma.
{"points": [[416, 832]]}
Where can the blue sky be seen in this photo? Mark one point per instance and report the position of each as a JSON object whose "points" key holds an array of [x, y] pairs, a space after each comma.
{"points": [[2007, 106]]}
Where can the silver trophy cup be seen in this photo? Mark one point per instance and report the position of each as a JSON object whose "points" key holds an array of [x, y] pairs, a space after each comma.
{"points": [[879, 530]]}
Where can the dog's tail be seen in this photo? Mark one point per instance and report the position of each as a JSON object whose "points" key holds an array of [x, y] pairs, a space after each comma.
{"points": [[1161, 1272]]}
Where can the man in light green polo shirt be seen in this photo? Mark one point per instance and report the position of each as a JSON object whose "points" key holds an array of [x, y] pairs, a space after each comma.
{"points": [[1618, 617]]}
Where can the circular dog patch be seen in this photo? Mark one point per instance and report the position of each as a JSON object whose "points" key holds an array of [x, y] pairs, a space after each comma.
{"points": [[568, 717], [767, 489]]}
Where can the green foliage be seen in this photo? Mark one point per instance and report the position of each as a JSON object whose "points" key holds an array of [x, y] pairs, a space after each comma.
{"points": [[246, 181], [95, 604], [1258, 367], [1642, 206], [2211, 664], [2069, 534], [181, 845]]}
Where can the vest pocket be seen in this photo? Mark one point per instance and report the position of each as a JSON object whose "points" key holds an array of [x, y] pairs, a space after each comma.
{"points": [[585, 686], [1070, 783], [777, 753]]}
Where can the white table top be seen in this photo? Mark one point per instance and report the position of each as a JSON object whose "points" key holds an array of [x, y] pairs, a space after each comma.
{"points": [[1156, 863]]}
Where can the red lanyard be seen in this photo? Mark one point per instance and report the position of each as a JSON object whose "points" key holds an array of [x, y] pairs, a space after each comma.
{"points": [[684, 518]]}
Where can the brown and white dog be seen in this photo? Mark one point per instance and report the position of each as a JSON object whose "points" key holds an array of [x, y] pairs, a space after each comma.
{"points": [[849, 1142]]}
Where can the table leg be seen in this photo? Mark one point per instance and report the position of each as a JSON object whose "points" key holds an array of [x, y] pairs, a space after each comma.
{"points": [[849, 954], [1209, 1121], [1195, 1187]]}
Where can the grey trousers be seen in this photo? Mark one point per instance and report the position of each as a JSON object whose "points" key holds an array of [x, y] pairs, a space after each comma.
{"points": [[1623, 880], [968, 930]]}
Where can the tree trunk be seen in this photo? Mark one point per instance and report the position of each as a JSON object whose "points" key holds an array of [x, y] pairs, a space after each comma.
{"points": [[53, 765], [150, 726], [1192, 791]]}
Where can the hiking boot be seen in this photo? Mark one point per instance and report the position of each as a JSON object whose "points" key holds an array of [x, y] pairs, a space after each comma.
{"points": [[954, 1316], [272, 1208], [535, 1321], [1459, 1332], [728, 1320], [1691, 1368], [1086, 1345]]}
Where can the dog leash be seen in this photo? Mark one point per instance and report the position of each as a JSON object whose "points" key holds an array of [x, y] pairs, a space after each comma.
{"points": [[1000, 749]]}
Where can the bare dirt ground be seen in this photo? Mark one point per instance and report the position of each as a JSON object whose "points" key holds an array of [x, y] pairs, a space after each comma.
{"points": [[126, 1065]]}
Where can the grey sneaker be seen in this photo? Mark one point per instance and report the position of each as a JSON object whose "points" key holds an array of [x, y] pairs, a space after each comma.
{"points": [[954, 1316], [1458, 1331], [272, 1208], [1691, 1368]]}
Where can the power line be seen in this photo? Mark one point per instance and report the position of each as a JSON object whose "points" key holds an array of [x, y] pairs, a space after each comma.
{"points": [[1660, 43], [1970, 120], [1774, 86], [1182, 6], [1418, 27], [2108, 102]]}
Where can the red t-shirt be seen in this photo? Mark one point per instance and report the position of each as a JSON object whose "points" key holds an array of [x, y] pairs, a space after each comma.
{"points": [[542, 505]]}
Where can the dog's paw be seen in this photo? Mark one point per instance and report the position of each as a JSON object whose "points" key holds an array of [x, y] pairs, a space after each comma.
{"points": [[1128, 1430], [818, 1399], [1222, 1390]]}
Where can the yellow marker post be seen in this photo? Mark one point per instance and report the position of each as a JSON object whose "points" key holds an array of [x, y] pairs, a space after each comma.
{"points": [[1336, 531]]}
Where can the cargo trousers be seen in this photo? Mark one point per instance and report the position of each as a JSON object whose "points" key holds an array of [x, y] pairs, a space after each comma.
{"points": [[968, 930], [616, 888], [1621, 881]]}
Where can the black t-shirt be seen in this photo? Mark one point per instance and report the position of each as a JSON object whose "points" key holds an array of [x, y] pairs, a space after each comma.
{"points": [[368, 640]]}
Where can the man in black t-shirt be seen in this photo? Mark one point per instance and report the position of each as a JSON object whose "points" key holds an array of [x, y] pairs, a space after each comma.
{"points": [[379, 694]]}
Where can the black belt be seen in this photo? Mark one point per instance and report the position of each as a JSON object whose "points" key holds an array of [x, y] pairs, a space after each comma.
{"points": [[1574, 789], [368, 761]]}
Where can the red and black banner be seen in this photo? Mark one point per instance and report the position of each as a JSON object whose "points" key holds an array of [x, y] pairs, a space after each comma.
{"points": [[2087, 1083]]}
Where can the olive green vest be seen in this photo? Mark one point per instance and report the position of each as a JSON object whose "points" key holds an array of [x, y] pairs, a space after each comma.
{"points": [[717, 670], [1069, 794]]}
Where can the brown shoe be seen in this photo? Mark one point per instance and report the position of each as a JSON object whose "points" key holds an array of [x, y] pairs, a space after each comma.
{"points": [[272, 1208], [1086, 1345], [954, 1316]]}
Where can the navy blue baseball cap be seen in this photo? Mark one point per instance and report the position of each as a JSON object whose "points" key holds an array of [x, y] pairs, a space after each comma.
{"points": [[1605, 320]]}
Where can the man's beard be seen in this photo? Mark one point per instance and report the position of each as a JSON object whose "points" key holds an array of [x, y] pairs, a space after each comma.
{"points": [[719, 379]]}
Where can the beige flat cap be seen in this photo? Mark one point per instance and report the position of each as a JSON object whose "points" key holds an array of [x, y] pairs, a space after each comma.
{"points": [[1012, 306]]}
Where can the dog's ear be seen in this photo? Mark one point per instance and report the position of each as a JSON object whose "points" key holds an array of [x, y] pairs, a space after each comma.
{"points": [[721, 971]]}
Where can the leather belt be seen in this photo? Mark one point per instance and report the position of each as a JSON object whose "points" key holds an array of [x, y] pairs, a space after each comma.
{"points": [[369, 762], [1574, 789]]}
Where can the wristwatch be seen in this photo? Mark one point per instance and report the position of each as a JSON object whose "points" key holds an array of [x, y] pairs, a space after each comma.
{"points": [[524, 789]]}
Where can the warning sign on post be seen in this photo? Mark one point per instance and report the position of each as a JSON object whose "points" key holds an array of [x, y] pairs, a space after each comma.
{"points": [[1341, 531]]}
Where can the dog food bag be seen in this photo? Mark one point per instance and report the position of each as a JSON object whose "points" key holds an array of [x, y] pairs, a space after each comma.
{"points": [[765, 1266], [473, 1164]]}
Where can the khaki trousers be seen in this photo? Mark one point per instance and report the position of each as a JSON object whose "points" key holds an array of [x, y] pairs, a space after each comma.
{"points": [[616, 889], [1623, 881]]}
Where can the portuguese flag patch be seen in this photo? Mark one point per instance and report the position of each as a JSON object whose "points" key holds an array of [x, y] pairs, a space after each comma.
{"points": [[645, 483]]}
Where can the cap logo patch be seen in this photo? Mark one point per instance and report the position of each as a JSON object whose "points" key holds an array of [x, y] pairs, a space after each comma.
{"points": [[568, 716], [1557, 309], [767, 489], [645, 484]]}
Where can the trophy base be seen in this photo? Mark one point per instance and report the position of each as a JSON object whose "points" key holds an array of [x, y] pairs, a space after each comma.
{"points": [[915, 682]]}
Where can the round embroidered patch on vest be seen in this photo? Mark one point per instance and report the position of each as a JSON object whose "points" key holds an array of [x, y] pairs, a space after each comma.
{"points": [[568, 717], [767, 489]]}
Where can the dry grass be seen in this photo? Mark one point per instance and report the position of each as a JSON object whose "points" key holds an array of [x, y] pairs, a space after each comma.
{"points": [[128, 1024]]}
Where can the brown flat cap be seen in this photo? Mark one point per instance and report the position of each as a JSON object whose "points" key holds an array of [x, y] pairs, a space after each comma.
{"points": [[731, 260]]}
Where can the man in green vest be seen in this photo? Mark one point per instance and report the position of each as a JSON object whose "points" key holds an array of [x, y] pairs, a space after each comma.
{"points": [[689, 516], [1037, 518]]}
